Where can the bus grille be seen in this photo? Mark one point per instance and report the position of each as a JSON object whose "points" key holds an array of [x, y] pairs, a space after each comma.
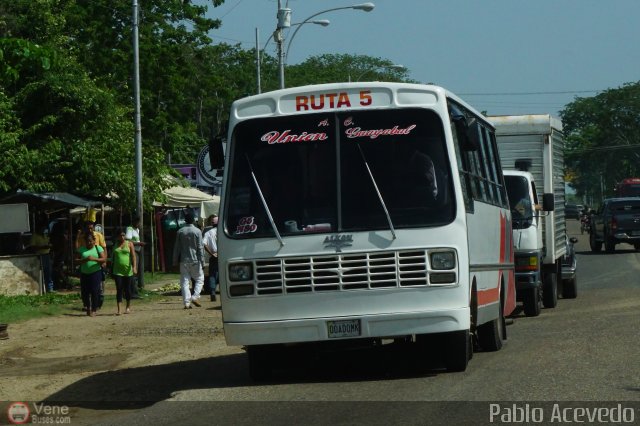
{"points": [[341, 272]]}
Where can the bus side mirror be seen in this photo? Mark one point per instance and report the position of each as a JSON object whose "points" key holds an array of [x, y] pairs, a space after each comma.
{"points": [[548, 202], [468, 132]]}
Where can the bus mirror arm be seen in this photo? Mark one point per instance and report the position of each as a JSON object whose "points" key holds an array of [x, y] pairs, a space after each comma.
{"points": [[264, 203]]}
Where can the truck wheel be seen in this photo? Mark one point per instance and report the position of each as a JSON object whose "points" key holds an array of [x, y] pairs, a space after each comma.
{"points": [[261, 359], [490, 334], [636, 246], [609, 245], [595, 245], [549, 290], [531, 302], [457, 350], [570, 288]]}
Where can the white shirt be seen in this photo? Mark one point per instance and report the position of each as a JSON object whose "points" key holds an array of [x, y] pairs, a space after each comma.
{"points": [[210, 239], [133, 234]]}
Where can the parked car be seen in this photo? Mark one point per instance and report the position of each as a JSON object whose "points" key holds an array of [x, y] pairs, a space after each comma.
{"points": [[571, 211], [616, 221]]}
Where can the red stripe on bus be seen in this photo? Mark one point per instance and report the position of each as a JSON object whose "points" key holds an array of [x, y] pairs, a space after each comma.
{"points": [[491, 295]]}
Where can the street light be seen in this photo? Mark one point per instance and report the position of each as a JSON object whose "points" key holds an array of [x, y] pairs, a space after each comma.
{"points": [[322, 22], [365, 7], [398, 67]]}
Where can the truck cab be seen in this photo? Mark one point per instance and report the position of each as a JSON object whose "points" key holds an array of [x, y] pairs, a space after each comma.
{"points": [[526, 214]]}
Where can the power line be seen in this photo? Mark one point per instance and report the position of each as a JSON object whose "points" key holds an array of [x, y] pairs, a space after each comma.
{"points": [[567, 92]]}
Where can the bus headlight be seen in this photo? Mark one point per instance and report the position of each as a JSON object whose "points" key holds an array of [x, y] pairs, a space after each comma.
{"points": [[441, 260], [241, 272]]}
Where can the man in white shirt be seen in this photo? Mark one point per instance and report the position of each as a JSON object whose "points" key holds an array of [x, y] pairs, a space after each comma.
{"points": [[210, 244]]}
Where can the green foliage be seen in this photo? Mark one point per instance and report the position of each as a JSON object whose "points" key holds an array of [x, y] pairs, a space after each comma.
{"points": [[66, 92], [603, 139], [334, 68]]}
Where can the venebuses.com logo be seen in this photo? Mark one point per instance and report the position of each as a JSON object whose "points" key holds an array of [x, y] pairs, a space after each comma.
{"points": [[19, 413]]}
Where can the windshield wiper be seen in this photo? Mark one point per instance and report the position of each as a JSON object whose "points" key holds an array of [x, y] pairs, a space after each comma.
{"points": [[375, 185], [264, 203]]}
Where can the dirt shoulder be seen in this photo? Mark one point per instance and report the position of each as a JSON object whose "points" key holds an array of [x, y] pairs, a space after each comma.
{"points": [[43, 358]]}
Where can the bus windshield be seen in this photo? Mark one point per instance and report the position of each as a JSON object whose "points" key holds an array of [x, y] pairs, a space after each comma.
{"points": [[336, 172]]}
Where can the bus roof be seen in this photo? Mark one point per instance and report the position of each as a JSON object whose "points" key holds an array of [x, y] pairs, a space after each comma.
{"points": [[384, 94]]}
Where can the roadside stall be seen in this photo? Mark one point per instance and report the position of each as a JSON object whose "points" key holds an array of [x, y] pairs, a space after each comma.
{"points": [[169, 217], [20, 268]]}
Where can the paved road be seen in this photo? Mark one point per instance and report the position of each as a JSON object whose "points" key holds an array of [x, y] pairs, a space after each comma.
{"points": [[586, 349]]}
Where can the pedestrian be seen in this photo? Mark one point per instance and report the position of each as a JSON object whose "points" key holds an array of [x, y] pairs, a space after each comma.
{"points": [[210, 243], [124, 269], [42, 247], [133, 235], [187, 251], [91, 258], [89, 228]]}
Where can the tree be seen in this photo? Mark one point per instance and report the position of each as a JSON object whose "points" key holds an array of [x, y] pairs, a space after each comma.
{"points": [[603, 139], [335, 68], [60, 132]]}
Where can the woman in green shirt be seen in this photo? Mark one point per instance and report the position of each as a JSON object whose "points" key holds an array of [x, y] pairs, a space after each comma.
{"points": [[91, 258], [124, 267]]}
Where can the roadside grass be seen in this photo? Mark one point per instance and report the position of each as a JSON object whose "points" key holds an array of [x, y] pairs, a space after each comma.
{"points": [[21, 308], [15, 309]]}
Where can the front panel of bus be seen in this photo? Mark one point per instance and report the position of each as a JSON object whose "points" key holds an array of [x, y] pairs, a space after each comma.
{"points": [[345, 217]]}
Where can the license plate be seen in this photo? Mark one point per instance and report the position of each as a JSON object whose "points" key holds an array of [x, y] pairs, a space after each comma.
{"points": [[344, 328]]}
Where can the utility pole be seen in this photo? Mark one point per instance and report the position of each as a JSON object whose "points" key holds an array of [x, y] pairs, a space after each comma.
{"points": [[284, 21], [258, 61], [138, 135]]}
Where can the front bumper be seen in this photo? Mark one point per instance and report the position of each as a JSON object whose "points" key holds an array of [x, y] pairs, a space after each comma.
{"points": [[372, 326], [569, 269], [626, 237]]}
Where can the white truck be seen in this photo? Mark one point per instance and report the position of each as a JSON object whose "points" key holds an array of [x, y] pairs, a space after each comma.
{"points": [[531, 153]]}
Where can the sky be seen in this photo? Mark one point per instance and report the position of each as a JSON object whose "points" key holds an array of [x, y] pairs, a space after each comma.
{"points": [[501, 56]]}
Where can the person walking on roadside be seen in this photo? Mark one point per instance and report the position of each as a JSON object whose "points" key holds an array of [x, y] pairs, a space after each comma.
{"points": [[91, 258], [133, 235], [42, 247], [98, 238], [210, 243], [187, 251], [124, 269]]}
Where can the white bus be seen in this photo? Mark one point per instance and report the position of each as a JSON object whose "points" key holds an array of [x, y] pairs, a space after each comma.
{"points": [[362, 212]]}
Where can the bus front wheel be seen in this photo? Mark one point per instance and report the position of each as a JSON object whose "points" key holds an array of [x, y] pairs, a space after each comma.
{"points": [[457, 350], [261, 359]]}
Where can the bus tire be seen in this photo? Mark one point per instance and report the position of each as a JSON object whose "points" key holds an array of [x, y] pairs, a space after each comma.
{"points": [[261, 358], [549, 290], [570, 288], [531, 302], [457, 350], [490, 334]]}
